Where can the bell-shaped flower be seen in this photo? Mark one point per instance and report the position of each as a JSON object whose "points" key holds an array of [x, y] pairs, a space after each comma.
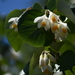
{"points": [[62, 31], [43, 21], [15, 20], [59, 28], [57, 70], [53, 17], [45, 62]]}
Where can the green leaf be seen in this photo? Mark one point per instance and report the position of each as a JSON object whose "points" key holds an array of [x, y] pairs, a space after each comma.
{"points": [[33, 52], [51, 4], [37, 6], [67, 60], [66, 46], [56, 45], [64, 8], [71, 39], [33, 64], [68, 72], [13, 36], [33, 35], [71, 26], [73, 69]]}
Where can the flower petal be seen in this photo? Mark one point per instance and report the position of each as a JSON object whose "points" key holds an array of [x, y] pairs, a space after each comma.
{"points": [[41, 61], [12, 19], [58, 73], [39, 19], [39, 25]]}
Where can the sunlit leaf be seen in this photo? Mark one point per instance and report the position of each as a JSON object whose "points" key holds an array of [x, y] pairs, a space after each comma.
{"points": [[33, 35], [68, 72], [73, 69], [64, 8], [13, 36]]}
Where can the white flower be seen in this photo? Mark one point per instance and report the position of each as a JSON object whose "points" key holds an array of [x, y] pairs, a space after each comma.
{"points": [[53, 17], [59, 28], [43, 21], [62, 31], [45, 62], [58, 73], [57, 70], [15, 20]]}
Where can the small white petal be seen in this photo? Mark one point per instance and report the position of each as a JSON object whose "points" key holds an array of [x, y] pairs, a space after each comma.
{"points": [[46, 59], [12, 19], [39, 25], [66, 19], [46, 67], [58, 73], [41, 61], [37, 19], [46, 28], [63, 24]]}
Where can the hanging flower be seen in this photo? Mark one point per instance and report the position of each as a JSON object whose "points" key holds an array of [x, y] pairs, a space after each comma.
{"points": [[59, 28], [15, 20], [43, 21], [57, 70], [45, 62], [53, 17], [62, 31]]}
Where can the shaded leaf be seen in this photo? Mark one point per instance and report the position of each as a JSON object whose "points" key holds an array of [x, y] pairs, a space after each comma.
{"points": [[71, 39], [66, 46], [67, 60], [33, 35], [71, 26]]}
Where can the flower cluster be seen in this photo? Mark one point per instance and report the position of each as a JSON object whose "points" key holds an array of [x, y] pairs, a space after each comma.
{"points": [[45, 64], [52, 21]]}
